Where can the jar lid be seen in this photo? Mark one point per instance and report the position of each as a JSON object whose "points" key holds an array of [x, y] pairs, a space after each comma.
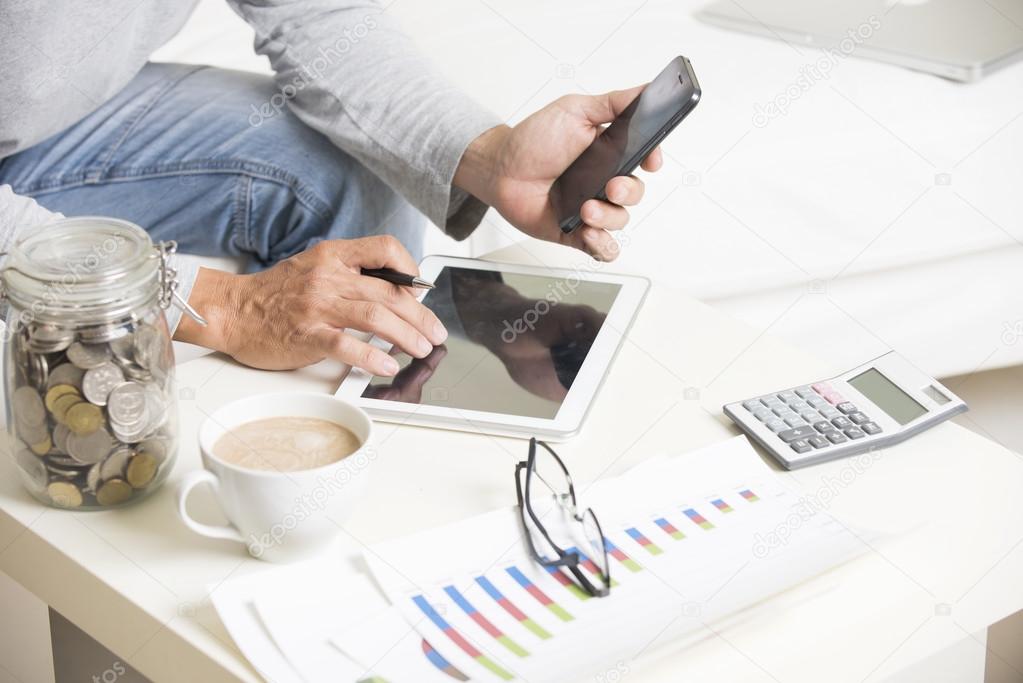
{"points": [[92, 265]]}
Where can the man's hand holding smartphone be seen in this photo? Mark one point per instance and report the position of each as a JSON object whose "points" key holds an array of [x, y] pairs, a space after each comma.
{"points": [[515, 169]]}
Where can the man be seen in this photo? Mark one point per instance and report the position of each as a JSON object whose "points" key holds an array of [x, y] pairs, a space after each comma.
{"points": [[310, 175]]}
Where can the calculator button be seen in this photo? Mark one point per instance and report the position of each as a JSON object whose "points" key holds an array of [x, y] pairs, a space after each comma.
{"points": [[858, 418], [823, 426], [776, 425], [752, 405], [854, 433], [834, 398], [800, 406], [771, 402], [781, 411], [795, 421], [829, 412], [790, 435], [871, 428], [836, 437], [818, 441], [787, 396], [763, 414], [810, 416], [847, 407], [805, 392], [842, 423], [822, 388], [817, 402], [801, 446]]}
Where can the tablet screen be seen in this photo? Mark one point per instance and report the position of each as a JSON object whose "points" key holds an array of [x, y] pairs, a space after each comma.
{"points": [[515, 343]]}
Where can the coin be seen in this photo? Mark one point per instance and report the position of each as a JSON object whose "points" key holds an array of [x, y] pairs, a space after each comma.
{"points": [[157, 448], [123, 349], [34, 470], [66, 373], [42, 447], [115, 463], [49, 338], [64, 404], [88, 356], [126, 404], [28, 406], [129, 434], [56, 391], [30, 433], [92, 479], [83, 418], [141, 470], [55, 460], [65, 494], [90, 448], [113, 492], [60, 435], [37, 370], [98, 382], [148, 346]]}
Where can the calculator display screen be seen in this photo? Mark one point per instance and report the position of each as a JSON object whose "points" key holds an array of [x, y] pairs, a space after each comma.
{"points": [[887, 396]]}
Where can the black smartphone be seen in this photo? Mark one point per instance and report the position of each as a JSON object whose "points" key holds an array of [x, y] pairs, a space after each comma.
{"points": [[620, 148]]}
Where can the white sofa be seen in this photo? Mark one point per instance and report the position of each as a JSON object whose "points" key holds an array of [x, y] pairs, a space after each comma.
{"points": [[882, 210]]}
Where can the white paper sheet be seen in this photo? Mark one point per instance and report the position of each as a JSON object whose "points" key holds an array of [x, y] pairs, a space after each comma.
{"points": [[696, 537]]}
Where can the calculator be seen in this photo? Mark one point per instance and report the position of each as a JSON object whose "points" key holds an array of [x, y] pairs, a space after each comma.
{"points": [[870, 407]]}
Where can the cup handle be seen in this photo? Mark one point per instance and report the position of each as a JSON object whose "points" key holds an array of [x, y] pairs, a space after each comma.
{"points": [[191, 480]]}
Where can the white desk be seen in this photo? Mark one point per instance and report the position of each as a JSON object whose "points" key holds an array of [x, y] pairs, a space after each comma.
{"points": [[136, 579]]}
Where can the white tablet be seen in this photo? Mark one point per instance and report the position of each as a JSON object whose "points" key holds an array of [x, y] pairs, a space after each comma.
{"points": [[527, 349]]}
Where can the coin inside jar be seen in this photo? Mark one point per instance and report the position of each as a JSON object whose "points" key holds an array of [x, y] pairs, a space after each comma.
{"points": [[28, 406], [65, 494], [115, 463], [66, 373], [90, 448], [42, 447], [88, 356], [98, 382], [33, 468], [113, 492], [141, 470], [63, 404], [56, 391], [83, 418]]}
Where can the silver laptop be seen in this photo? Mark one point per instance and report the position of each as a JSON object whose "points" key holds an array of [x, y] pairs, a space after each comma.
{"points": [[958, 39]]}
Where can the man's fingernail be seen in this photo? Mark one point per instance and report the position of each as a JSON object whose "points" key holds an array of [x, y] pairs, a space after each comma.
{"points": [[596, 214], [439, 333], [424, 346], [390, 366], [618, 196]]}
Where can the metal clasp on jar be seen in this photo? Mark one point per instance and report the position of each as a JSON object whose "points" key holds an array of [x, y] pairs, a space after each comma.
{"points": [[169, 283]]}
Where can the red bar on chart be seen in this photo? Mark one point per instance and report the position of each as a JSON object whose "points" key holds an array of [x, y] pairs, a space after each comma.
{"points": [[669, 528], [698, 519]]}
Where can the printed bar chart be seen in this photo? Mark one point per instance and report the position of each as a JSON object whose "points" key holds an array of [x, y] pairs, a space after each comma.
{"points": [[698, 519], [722, 505], [648, 545], [749, 495], [568, 583], [619, 556], [538, 594], [669, 528], [483, 622], [509, 607], [464, 645], [437, 659]]}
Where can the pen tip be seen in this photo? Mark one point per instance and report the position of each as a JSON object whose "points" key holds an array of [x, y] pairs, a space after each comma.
{"points": [[419, 282]]}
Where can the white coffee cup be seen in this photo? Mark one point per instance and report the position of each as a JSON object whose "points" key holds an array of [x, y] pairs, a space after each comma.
{"points": [[281, 516]]}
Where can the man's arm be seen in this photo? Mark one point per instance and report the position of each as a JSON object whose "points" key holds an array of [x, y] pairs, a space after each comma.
{"points": [[347, 70]]}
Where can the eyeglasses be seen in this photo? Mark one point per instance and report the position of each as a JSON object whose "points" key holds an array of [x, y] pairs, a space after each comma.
{"points": [[559, 535]]}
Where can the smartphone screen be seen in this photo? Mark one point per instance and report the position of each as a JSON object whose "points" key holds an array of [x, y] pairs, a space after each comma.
{"points": [[629, 138]]}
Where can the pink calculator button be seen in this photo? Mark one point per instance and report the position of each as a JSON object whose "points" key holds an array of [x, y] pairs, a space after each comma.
{"points": [[822, 388], [834, 398]]}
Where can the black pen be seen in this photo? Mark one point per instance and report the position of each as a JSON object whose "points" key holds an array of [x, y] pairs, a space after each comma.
{"points": [[397, 278]]}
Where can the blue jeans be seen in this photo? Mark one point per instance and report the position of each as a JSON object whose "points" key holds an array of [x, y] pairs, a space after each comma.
{"points": [[178, 152]]}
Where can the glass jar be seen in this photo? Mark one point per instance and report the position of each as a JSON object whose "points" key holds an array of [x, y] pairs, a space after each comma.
{"points": [[88, 363]]}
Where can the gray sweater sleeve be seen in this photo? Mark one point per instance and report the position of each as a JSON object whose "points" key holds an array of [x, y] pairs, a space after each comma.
{"points": [[348, 71]]}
